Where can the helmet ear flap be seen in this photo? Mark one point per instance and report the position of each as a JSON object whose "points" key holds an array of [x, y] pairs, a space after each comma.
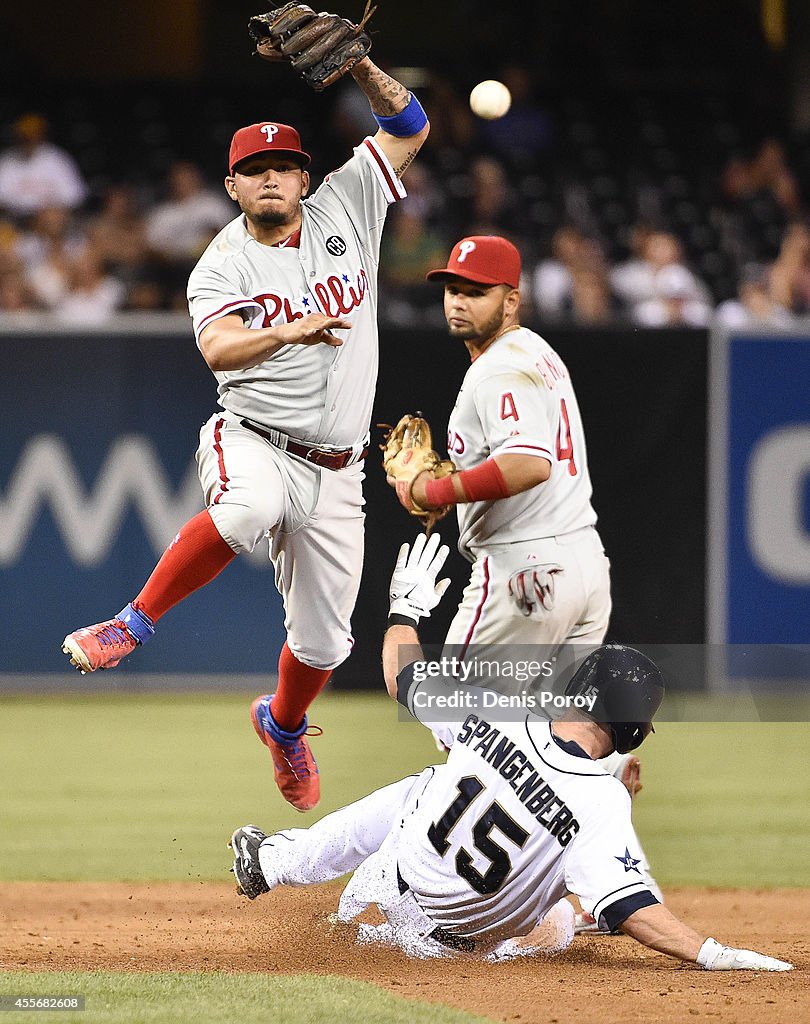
{"points": [[628, 736]]}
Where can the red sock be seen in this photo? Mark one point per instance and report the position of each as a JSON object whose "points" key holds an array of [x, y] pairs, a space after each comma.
{"points": [[195, 556], [298, 686]]}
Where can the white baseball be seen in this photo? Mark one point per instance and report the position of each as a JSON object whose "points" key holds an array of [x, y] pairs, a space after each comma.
{"points": [[490, 100]]}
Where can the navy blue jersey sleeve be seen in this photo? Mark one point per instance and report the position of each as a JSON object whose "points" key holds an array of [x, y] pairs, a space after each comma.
{"points": [[616, 913]]}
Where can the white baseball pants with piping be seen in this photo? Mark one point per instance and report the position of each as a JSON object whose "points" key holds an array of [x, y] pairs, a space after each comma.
{"points": [[314, 519]]}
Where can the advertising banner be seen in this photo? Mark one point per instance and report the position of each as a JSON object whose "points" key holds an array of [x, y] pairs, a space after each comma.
{"points": [[759, 485]]}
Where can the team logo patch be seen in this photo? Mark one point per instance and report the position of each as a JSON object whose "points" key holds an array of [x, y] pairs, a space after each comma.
{"points": [[335, 245], [464, 250], [629, 862]]}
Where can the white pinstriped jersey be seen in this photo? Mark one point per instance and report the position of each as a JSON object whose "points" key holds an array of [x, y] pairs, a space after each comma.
{"points": [[317, 393], [517, 396], [511, 824]]}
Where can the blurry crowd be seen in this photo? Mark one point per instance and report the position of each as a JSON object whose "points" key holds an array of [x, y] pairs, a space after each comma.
{"points": [[655, 287], [82, 266], [82, 255]]}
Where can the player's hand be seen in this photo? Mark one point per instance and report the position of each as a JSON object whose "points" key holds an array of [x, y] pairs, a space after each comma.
{"points": [[414, 591], [532, 588], [313, 330], [630, 776], [714, 957], [439, 739]]}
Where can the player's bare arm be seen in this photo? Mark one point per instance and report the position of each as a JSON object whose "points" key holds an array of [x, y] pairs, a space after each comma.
{"points": [[396, 636], [520, 473], [388, 98], [428, 486], [658, 928], [227, 344]]}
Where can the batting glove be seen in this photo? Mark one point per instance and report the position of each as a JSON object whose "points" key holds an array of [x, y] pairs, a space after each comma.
{"points": [[715, 957], [532, 587], [414, 591]]}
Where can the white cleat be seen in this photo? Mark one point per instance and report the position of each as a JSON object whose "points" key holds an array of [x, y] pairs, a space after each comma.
{"points": [[78, 659]]}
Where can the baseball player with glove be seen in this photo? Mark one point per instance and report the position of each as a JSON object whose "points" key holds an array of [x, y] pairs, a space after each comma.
{"points": [[284, 305], [522, 489], [476, 856]]}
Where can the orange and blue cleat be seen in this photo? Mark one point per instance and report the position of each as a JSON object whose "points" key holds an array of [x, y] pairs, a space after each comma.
{"points": [[294, 766]]}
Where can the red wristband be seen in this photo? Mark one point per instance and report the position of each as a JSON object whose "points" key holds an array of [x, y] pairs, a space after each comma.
{"points": [[481, 483], [484, 482], [440, 492]]}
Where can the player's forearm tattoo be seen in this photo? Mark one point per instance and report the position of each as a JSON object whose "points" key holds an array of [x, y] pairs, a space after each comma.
{"points": [[386, 95], [406, 163]]}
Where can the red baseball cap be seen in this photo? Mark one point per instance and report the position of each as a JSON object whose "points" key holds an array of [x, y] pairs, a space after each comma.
{"points": [[482, 259], [266, 136]]}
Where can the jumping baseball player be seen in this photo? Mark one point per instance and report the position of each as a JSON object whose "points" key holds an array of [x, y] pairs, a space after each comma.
{"points": [[472, 855], [284, 305]]}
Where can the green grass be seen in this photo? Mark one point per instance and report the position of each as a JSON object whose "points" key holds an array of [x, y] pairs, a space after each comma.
{"points": [[727, 803], [151, 787], [119, 787], [217, 998]]}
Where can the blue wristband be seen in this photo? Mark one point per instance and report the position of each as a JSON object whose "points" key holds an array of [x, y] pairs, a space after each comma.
{"points": [[407, 122]]}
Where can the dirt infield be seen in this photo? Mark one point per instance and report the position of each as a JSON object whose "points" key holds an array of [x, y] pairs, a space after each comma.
{"points": [[179, 927]]}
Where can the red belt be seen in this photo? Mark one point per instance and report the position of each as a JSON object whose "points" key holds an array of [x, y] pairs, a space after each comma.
{"points": [[328, 459]]}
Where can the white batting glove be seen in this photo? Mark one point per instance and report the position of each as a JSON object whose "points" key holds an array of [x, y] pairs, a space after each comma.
{"points": [[414, 591], [532, 587], [714, 957]]}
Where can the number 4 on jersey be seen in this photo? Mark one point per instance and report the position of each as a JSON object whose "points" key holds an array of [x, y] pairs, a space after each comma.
{"points": [[508, 407], [565, 443]]}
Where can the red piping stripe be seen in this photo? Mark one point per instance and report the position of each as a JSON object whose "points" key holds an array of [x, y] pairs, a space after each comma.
{"points": [[528, 447], [478, 610], [240, 304], [383, 167], [223, 476]]}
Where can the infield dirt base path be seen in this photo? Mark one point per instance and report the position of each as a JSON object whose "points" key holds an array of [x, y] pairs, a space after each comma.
{"points": [[205, 926]]}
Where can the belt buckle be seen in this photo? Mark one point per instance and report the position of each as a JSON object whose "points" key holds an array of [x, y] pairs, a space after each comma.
{"points": [[314, 456], [327, 460]]}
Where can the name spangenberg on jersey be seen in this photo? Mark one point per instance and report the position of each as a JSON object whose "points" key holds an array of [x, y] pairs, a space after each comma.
{"points": [[511, 824], [317, 393], [517, 397]]}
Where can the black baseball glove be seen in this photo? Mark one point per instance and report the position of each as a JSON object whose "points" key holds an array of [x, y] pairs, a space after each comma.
{"points": [[321, 47]]}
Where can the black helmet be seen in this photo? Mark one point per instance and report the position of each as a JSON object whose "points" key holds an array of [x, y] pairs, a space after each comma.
{"points": [[628, 688]]}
